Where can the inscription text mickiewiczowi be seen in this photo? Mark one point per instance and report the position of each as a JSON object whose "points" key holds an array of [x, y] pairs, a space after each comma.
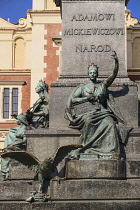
{"points": [[93, 31]]}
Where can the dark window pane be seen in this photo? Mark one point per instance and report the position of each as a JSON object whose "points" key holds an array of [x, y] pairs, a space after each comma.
{"points": [[6, 107], [6, 115], [15, 101], [6, 103], [15, 91], [6, 99], [15, 107], [6, 91]]}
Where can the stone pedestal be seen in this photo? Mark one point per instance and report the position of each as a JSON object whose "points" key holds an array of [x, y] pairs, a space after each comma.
{"points": [[123, 90], [92, 30], [95, 190], [95, 169]]}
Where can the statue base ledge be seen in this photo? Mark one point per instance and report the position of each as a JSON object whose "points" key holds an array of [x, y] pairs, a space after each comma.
{"points": [[92, 169]]}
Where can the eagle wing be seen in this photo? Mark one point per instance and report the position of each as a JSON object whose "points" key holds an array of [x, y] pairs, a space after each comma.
{"points": [[63, 151], [23, 157]]}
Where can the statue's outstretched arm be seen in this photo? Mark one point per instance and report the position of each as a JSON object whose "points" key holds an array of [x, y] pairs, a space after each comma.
{"points": [[111, 78]]}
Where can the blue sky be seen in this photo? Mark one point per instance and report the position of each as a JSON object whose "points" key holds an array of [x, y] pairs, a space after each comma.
{"points": [[14, 9], [134, 7]]}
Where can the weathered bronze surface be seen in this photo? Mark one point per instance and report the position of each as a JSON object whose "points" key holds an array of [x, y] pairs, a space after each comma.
{"points": [[15, 140], [44, 170], [38, 114], [92, 110]]}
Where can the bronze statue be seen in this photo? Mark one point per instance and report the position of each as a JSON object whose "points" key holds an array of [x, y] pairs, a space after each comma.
{"points": [[46, 169], [92, 110], [38, 114], [15, 141]]}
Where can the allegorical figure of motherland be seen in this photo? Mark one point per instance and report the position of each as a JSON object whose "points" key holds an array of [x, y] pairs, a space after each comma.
{"points": [[92, 110]]}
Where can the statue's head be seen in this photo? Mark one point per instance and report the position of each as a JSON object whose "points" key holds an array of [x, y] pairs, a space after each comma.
{"points": [[41, 86], [21, 118], [93, 71]]}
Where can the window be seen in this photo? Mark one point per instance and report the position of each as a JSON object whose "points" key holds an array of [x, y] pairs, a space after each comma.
{"points": [[6, 103], [10, 97], [15, 101], [7, 110]]}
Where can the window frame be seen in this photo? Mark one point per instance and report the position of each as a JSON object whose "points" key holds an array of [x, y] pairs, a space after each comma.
{"points": [[11, 87]]}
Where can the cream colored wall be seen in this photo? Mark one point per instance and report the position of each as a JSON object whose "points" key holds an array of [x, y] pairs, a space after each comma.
{"points": [[6, 49], [40, 19], [133, 47], [136, 52], [27, 37], [37, 58], [39, 4], [129, 50], [50, 5], [44, 4], [19, 53], [133, 43], [9, 34]]}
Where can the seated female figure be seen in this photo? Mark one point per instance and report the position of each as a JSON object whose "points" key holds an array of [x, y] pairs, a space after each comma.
{"points": [[101, 125]]}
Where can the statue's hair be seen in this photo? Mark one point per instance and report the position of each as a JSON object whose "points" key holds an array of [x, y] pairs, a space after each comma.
{"points": [[90, 67], [43, 85]]}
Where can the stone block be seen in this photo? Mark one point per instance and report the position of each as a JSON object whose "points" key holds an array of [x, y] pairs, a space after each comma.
{"points": [[92, 34], [44, 143], [15, 205], [90, 205], [126, 100], [80, 205], [124, 92], [17, 190], [95, 189], [132, 149], [95, 169], [133, 169], [19, 171]]}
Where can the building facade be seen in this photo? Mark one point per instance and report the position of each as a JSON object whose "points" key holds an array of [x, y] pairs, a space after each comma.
{"points": [[31, 50]]}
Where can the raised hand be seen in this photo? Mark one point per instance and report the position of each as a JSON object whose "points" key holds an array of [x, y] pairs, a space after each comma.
{"points": [[114, 56]]}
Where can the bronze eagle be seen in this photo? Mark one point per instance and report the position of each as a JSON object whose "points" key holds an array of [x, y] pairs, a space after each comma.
{"points": [[46, 169]]}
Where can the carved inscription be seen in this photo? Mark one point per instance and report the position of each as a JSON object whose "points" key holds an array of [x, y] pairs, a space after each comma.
{"points": [[94, 31], [84, 107], [81, 31], [93, 17], [93, 48]]}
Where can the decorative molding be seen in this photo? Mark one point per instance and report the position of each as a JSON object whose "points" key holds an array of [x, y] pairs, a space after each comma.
{"points": [[57, 40], [13, 72], [43, 11], [12, 82], [77, 1], [86, 76], [121, 84], [22, 22]]}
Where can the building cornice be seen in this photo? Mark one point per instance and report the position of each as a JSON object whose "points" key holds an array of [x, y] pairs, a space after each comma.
{"points": [[43, 11], [133, 71], [15, 72], [12, 82]]}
